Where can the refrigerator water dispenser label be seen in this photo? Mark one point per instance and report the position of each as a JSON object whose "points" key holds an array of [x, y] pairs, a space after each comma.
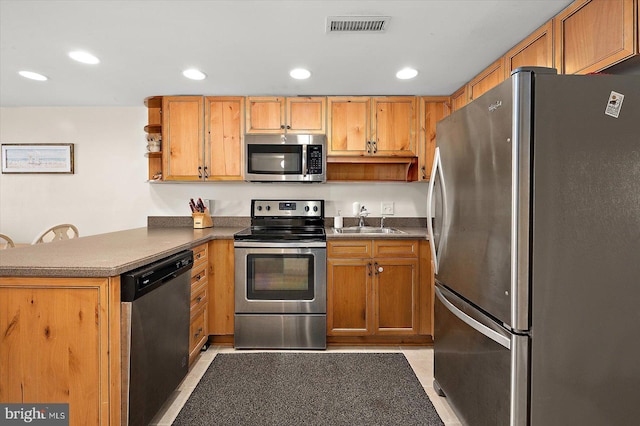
{"points": [[615, 104]]}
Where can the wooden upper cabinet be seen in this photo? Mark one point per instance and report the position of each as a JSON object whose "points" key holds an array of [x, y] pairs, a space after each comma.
{"points": [[394, 125], [349, 125], [489, 78], [459, 98], [291, 115], [182, 136], [361, 125], [432, 110], [306, 115], [534, 51], [591, 35], [265, 114], [225, 130]]}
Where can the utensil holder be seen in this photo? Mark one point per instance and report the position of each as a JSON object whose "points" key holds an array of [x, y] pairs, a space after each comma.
{"points": [[202, 220]]}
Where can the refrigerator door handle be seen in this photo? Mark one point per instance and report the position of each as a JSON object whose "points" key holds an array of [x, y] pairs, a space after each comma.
{"points": [[435, 170], [473, 323]]}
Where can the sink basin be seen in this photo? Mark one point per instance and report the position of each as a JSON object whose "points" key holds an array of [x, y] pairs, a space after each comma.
{"points": [[367, 230]]}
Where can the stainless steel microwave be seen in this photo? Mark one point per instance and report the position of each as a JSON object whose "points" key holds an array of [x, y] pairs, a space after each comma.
{"points": [[285, 158]]}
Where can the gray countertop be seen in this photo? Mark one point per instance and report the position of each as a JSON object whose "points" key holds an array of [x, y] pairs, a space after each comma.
{"points": [[114, 253], [104, 255]]}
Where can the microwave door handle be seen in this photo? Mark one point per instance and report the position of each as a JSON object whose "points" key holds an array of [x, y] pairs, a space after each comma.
{"points": [[305, 171]]}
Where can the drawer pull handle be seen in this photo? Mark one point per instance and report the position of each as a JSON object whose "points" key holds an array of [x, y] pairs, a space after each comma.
{"points": [[198, 277], [198, 332], [199, 299]]}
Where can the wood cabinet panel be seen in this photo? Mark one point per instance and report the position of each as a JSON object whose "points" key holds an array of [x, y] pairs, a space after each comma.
{"points": [[459, 98], [395, 248], [348, 297], [198, 328], [353, 249], [58, 334], [182, 134], [426, 288], [591, 35], [197, 333], [369, 294], [306, 115], [432, 110], [265, 114], [225, 130], [489, 78], [534, 51], [349, 124], [394, 125], [396, 293], [221, 287]]}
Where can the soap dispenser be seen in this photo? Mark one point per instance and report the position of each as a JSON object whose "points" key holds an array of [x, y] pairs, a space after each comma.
{"points": [[337, 221]]}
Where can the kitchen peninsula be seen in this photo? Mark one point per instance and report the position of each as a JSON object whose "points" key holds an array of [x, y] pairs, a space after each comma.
{"points": [[60, 312]]}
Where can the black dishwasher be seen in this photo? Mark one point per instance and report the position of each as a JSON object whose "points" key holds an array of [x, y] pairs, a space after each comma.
{"points": [[155, 335]]}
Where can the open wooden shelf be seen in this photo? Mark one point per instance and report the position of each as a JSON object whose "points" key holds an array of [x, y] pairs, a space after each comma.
{"points": [[372, 168]]}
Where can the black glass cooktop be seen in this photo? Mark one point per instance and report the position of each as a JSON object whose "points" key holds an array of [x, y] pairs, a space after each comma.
{"points": [[290, 234]]}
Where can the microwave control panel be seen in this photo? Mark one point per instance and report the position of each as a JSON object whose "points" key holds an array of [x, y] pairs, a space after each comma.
{"points": [[314, 159]]}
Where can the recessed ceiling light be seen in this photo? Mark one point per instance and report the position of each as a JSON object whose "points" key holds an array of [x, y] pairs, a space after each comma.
{"points": [[300, 73], [33, 75], [84, 57], [194, 74], [406, 73]]}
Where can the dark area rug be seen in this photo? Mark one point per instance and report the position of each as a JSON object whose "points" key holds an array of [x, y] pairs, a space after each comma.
{"points": [[309, 389]]}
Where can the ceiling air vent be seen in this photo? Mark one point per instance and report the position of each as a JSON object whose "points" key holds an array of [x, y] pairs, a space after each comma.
{"points": [[357, 24]]}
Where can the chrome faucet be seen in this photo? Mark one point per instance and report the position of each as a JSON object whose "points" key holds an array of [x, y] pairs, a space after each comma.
{"points": [[361, 215], [382, 221]]}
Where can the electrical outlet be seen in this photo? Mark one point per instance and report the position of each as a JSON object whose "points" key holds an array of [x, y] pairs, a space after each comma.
{"points": [[386, 207]]}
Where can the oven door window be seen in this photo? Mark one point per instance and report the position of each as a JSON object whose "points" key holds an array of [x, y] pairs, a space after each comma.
{"points": [[280, 277], [275, 159]]}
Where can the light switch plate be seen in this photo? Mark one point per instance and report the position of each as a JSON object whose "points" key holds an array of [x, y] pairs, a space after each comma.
{"points": [[386, 207]]}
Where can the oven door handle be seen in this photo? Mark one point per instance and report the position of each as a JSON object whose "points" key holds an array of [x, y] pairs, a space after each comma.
{"points": [[293, 244]]}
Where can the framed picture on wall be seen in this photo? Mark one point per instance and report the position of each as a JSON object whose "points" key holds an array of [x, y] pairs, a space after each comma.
{"points": [[37, 158]]}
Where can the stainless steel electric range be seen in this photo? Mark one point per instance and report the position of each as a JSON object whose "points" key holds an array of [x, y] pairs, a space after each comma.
{"points": [[280, 277]]}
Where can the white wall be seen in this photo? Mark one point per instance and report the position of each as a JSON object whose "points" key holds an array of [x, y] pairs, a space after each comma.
{"points": [[109, 192]]}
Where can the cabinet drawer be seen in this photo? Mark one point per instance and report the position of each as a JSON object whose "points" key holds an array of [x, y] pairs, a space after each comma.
{"points": [[353, 249], [199, 297], [395, 248], [197, 332], [200, 255], [199, 275]]}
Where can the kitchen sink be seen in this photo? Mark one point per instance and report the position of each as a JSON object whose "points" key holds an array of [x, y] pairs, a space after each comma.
{"points": [[367, 230]]}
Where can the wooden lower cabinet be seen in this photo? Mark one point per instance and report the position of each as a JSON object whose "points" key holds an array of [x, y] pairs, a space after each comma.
{"points": [[221, 290], [374, 288], [60, 343], [198, 332]]}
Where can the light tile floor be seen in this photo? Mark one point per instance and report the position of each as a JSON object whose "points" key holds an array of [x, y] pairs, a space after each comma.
{"points": [[420, 359]]}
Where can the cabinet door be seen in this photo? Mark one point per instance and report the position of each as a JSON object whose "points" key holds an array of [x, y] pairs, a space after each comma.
{"points": [[182, 137], [349, 125], [225, 130], [591, 35], [489, 78], [395, 296], [306, 115], [432, 110], [265, 114], [394, 125], [349, 297], [534, 51], [221, 287], [459, 98]]}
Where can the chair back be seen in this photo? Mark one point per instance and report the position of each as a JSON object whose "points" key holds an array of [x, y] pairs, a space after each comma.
{"points": [[6, 242], [64, 231]]}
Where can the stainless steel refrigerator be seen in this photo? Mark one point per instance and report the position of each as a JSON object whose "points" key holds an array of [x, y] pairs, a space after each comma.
{"points": [[535, 199]]}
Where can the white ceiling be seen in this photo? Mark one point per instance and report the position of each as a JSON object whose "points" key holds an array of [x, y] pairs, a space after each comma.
{"points": [[248, 47]]}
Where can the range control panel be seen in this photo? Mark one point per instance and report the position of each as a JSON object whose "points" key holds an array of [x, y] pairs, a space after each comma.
{"points": [[287, 208]]}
